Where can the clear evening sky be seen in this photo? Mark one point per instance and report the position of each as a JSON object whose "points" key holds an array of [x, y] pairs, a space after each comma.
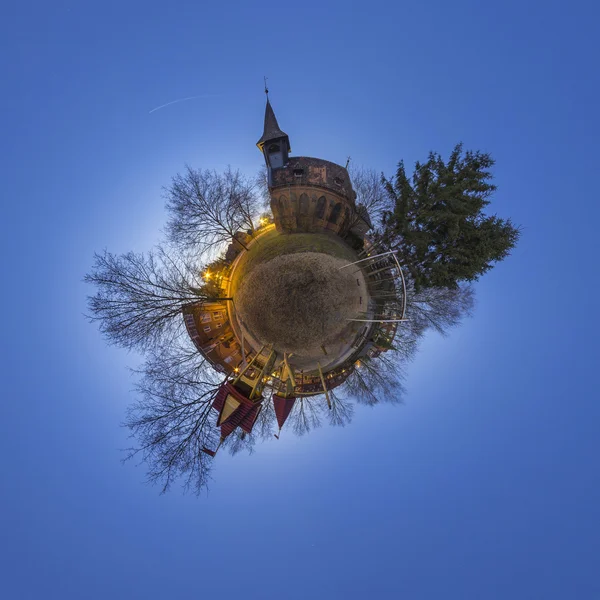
{"points": [[485, 484]]}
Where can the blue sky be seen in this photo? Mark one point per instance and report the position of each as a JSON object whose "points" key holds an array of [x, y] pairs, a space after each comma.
{"points": [[485, 483]]}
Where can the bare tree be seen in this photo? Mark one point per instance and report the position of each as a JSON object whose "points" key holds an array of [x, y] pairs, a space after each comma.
{"points": [[358, 387], [208, 209], [370, 193], [262, 187], [266, 422], [306, 414], [437, 308], [139, 297], [239, 441], [377, 380], [172, 420], [341, 411], [405, 343]]}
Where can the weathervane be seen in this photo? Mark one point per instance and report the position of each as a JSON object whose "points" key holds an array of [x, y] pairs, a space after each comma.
{"points": [[266, 88]]}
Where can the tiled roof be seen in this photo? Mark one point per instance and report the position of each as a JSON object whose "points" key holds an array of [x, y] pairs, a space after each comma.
{"points": [[244, 416]]}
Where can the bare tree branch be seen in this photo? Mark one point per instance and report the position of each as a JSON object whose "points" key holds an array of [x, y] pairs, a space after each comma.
{"points": [[377, 380], [341, 411], [306, 414], [172, 420], [208, 208], [370, 193], [139, 297], [437, 308]]}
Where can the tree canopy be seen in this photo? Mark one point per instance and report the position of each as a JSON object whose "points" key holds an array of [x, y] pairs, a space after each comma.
{"points": [[437, 220]]}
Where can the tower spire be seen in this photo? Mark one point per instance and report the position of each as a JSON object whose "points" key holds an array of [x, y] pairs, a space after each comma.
{"points": [[271, 131], [274, 143]]}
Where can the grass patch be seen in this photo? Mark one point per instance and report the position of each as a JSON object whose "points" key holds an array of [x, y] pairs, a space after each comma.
{"points": [[274, 244]]}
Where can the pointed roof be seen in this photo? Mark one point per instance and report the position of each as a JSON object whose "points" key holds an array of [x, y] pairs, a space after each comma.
{"points": [[271, 129], [283, 408], [235, 409]]}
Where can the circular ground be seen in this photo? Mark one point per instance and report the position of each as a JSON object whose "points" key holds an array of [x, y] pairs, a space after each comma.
{"points": [[299, 302]]}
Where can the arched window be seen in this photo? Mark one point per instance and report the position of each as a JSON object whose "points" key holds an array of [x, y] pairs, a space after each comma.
{"points": [[320, 212], [282, 203], [335, 213], [303, 205]]}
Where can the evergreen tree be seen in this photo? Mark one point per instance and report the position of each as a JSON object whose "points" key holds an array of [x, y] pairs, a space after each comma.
{"points": [[438, 221]]}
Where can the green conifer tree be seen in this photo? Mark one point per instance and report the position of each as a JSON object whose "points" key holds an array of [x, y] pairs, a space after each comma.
{"points": [[437, 220]]}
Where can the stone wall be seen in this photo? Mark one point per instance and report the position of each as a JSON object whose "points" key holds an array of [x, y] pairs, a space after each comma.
{"points": [[302, 208], [303, 170], [312, 195]]}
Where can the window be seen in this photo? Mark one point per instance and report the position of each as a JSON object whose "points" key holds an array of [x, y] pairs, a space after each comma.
{"points": [[320, 212], [275, 156], [335, 213], [218, 315], [304, 205], [338, 181], [298, 173], [207, 328], [219, 325]]}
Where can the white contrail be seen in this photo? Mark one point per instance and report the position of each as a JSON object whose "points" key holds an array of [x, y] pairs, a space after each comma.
{"points": [[181, 100]]}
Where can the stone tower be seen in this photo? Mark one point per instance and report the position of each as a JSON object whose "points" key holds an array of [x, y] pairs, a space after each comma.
{"points": [[307, 194]]}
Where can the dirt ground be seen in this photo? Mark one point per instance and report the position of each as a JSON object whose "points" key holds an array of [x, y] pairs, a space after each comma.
{"points": [[299, 302]]}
